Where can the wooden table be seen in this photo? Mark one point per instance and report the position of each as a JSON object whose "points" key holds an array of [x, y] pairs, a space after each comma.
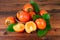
{"points": [[10, 8]]}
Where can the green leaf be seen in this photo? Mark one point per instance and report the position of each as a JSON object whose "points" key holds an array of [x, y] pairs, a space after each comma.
{"points": [[42, 32], [10, 28], [48, 24], [36, 17], [46, 16], [35, 6]]}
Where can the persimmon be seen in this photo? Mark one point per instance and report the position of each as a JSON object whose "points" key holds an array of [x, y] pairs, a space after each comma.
{"points": [[23, 16], [32, 14], [41, 24], [10, 20], [19, 27], [30, 27], [27, 7], [42, 11]]}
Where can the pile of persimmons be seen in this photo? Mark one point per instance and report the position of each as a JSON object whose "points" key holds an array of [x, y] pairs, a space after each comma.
{"points": [[25, 20]]}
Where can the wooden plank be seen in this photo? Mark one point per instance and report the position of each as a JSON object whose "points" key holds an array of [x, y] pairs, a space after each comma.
{"points": [[47, 0], [4, 1], [52, 35], [55, 20], [52, 32], [23, 2], [19, 38], [10, 5], [29, 38], [51, 38], [14, 7], [41, 3]]}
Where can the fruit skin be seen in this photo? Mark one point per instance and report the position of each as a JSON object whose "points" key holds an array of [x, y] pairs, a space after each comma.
{"points": [[23, 16], [41, 24], [42, 11], [10, 20], [32, 14], [19, 27], [30, 27], [27, 7]]}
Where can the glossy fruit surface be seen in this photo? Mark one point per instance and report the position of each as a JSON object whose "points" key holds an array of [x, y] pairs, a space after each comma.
{"points": [[23, 16], [42, 11], [10, 20], [32, 14], [41, 24], [28, 7]]}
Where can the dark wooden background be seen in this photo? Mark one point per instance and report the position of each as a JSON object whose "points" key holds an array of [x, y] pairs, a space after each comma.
{"points": [[10, 7]]}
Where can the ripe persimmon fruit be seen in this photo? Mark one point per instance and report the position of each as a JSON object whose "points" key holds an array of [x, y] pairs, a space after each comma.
{"points": [[19, 27], [30, 27], [41, 24], [42, 11], [32, 14], [10, 20], [27, 7], [23, 16]]}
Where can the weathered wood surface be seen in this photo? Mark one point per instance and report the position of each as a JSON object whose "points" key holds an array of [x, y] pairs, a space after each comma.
{"points": [[10, 8], [10, 5]]}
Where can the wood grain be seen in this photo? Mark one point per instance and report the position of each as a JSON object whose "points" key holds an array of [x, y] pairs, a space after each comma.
{"points": [[11, 7]]}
